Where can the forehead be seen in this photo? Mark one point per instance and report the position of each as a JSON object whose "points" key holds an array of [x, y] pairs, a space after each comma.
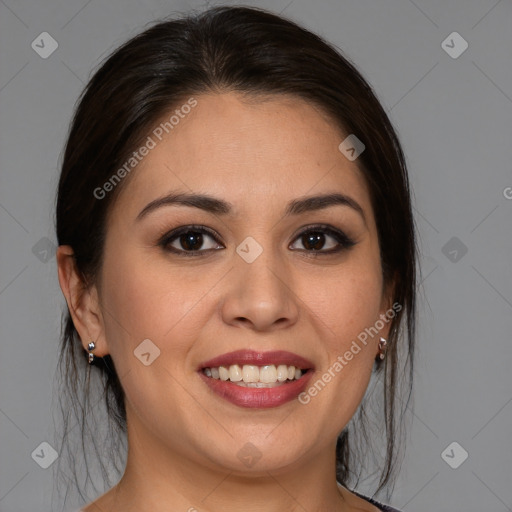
{"points": [[254, 151]]}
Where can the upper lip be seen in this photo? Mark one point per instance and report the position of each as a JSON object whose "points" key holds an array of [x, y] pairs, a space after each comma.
{"points": [[254, 357]]}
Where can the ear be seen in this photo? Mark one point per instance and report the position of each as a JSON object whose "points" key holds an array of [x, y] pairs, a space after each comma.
{"points": [[388, 309], [82, 301]]}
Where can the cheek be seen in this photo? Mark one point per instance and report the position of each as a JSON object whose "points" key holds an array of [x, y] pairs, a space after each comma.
{"points": [[143, 300], [344, 304], [346, 299]]}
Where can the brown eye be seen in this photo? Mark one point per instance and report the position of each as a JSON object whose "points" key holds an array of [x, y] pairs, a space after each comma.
{"points": [[191, 241], [188, 240], [314, 240], [324, 239]]}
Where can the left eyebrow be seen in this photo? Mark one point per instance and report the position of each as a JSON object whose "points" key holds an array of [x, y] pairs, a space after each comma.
{"points": [[320, 202], [220, 207]]}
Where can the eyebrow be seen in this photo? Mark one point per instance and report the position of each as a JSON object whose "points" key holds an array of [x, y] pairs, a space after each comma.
{"points": [[220, 207]]}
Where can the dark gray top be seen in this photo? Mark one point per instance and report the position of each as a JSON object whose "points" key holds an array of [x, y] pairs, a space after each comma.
{"points": [[384, 508]]}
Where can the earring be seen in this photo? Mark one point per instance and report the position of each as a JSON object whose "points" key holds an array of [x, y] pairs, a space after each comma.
{"points": [[382, 348], [91, 346]]}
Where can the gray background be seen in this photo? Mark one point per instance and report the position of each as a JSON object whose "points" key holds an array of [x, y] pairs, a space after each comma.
{"points": [[454, 117]]}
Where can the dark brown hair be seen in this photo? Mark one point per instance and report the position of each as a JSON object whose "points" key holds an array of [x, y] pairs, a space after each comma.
{"points": [[253, 52]]}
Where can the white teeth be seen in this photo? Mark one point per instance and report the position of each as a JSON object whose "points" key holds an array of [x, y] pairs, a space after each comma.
{"points": [[235, 373], [249, 375], [257, 384], [268, 373], [282, 373]]}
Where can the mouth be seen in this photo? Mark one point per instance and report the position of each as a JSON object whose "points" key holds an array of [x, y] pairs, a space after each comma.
{"points": [[257, 379]]}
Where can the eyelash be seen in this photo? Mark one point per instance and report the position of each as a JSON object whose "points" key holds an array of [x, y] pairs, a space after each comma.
{"points": [[343, 240]]}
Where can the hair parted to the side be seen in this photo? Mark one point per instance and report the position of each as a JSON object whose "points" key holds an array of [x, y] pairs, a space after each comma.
{"points": [[255, 53]]}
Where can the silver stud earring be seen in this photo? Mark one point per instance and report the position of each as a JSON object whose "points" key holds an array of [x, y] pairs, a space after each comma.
{"points": [[91, 346], [382, 348]]}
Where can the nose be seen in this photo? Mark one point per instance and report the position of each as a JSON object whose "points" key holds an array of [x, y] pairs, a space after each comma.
{"points": [[259, 295]]}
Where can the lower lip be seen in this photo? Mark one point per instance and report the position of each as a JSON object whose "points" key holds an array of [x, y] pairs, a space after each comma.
{"points": [[257, 398]]}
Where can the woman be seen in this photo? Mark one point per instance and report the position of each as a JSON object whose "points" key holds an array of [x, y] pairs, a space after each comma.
{"points": [[237, 253]]}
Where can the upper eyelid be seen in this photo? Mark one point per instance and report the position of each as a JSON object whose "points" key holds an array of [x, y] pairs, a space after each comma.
{"points": [[173, 233]]}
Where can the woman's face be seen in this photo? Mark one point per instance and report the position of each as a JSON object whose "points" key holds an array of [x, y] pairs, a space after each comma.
{"points": [[252, 282]]}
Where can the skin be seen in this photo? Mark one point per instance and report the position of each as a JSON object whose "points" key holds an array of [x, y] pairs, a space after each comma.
{"points": [[183, 440]]}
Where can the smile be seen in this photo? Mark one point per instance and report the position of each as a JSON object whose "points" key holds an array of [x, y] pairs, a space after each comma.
{"points": [[257, 379]]}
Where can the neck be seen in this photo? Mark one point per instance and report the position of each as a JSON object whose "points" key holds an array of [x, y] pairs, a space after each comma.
{"points": [[158, 476]]}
